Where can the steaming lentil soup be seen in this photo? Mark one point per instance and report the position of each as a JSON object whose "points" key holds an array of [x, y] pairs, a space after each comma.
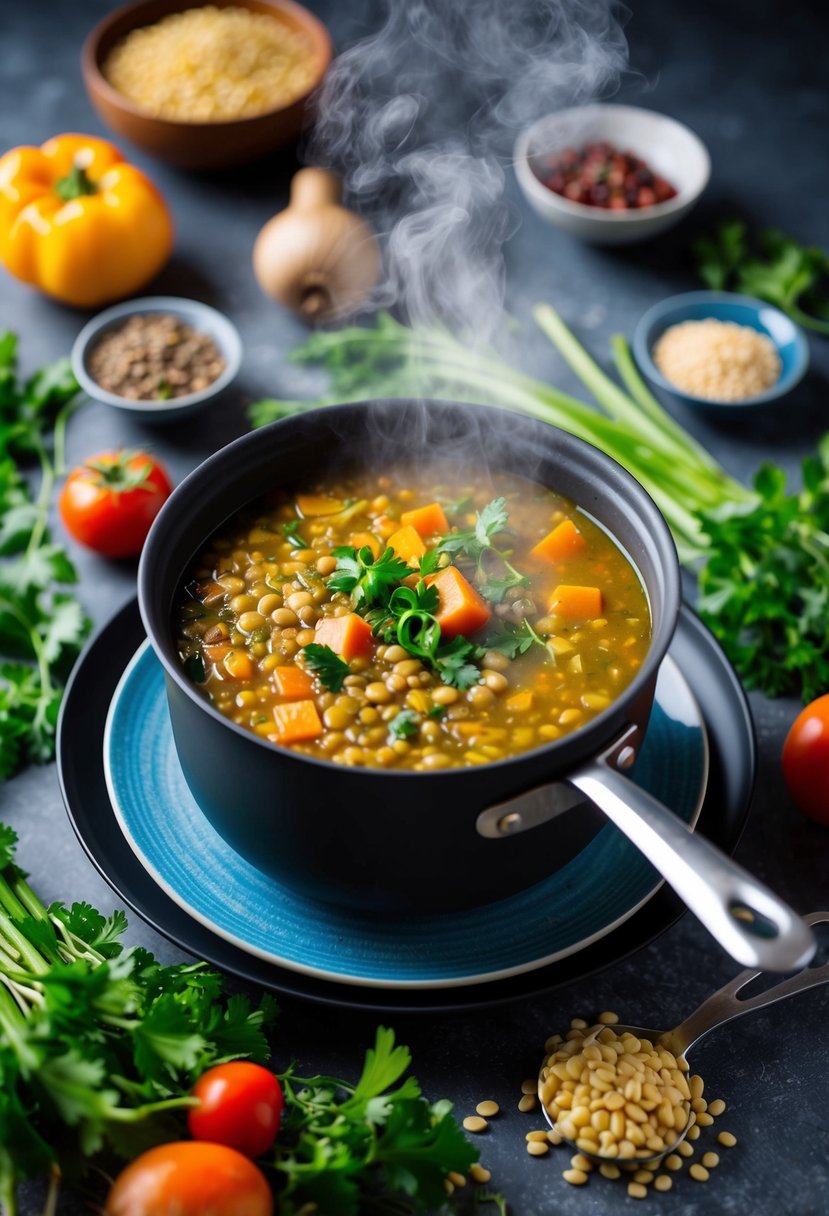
{"points": [[413, 622]]}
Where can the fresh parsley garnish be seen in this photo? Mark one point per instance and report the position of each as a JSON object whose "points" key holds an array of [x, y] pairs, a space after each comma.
{"points": [[455, 663], [291, 532], [366, 580], [494, 573], [516, 640], [406, 725], [326, 665]]}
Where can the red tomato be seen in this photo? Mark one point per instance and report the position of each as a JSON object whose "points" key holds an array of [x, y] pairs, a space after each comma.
{"points": [[240, 1104], [190, 1179], [109, 502], [806, 760]]}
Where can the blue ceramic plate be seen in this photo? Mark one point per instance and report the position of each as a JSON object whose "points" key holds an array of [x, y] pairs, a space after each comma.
{"points": [[723, 306], [603, 886]]}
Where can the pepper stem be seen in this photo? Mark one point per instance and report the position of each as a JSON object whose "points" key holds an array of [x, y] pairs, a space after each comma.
{"points": [[76, 183]]}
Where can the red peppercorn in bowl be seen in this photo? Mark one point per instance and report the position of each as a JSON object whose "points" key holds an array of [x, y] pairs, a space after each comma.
{"points": [[611, 174]]}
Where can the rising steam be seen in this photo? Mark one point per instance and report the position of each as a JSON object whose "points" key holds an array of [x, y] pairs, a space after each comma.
{"points": [[419, 120]]}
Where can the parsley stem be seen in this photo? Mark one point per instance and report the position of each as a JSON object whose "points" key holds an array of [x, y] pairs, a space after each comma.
{"points": [[47, 484], [134, 1114]]}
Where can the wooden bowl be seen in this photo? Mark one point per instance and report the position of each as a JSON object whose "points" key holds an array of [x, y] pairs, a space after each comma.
{"points": [[199, 145]]}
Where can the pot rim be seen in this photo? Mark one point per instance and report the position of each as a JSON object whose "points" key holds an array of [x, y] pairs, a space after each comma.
{"points": [[594, 736]]}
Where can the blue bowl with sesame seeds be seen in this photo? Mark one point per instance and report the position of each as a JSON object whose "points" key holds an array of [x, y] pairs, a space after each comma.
{"points": [[787, 337]]}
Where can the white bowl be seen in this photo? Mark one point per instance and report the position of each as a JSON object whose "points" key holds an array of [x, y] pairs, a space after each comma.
{"points": [[200, 316], [669, 148]]}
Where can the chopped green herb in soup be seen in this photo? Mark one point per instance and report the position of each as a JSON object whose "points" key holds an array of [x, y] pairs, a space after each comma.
{"points": [[413, 621]]}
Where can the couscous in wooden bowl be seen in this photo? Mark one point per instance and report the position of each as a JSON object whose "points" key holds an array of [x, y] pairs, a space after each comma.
{"points": [[196, 142]]}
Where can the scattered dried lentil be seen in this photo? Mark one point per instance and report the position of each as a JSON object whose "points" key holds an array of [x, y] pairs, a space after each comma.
{"points": [[698, 1172], [727, 1139], [474, 1123], [487, 1108], [717, 1107]]}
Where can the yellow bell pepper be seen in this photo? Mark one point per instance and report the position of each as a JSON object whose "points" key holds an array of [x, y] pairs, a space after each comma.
{"points": [[79, 222]]}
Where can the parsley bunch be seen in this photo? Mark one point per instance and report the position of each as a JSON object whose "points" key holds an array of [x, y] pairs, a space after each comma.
{"points": [[41, 625], [764, 590], [374, 1146], [774, 267], [98, 1042]]}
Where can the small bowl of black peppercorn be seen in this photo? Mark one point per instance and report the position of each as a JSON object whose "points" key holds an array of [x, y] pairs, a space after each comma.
{"points": [[157, 358]]}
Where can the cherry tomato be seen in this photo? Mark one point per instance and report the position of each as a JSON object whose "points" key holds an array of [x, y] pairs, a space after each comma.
{"points": [[190, 1179], [806, 760], [109, 502], [240, 1104]]}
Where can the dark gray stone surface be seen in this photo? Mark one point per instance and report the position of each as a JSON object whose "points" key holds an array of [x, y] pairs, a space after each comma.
{"points": [[750, 79]]}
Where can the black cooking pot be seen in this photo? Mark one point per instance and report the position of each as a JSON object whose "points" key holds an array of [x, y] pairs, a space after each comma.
{"points": [[415, 840]]}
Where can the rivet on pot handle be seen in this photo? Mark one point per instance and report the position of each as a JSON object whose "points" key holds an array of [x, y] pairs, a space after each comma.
{"points": [[746, 918]]}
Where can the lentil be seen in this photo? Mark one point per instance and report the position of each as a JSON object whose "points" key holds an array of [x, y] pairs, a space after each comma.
{"points": [[716, 1107], [479, 1173], [155, 356], [211, 64], [727, 1139], [710, 1160], [575, 1177], [637, 1191], [487, 1108], [698, 1172], [474, 1123]]}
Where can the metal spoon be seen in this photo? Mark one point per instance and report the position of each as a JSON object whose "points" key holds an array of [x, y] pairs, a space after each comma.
{"points": [[723, 1006]]}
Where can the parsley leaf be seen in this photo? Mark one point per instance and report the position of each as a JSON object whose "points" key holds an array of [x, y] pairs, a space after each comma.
{"points": [[292, 533], [455, 665], [405, 725], [477, 545], [326, 665], [367, 580]]}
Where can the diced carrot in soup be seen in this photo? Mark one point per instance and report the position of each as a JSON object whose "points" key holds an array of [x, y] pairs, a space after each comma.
{"points": [[564, 541], [292, 683], [217, 652], [318, 504], [460, 609], [577, 603], [296, 721], [407, 544], [520, 702], [361, 540], [348, 636], [427, 521], [239, 665]]}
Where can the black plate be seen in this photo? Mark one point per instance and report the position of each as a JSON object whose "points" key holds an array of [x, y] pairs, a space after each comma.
{"points": [[81, 773]]}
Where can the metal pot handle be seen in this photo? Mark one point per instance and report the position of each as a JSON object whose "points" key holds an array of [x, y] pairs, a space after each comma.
{"points": [[746, 918]]}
